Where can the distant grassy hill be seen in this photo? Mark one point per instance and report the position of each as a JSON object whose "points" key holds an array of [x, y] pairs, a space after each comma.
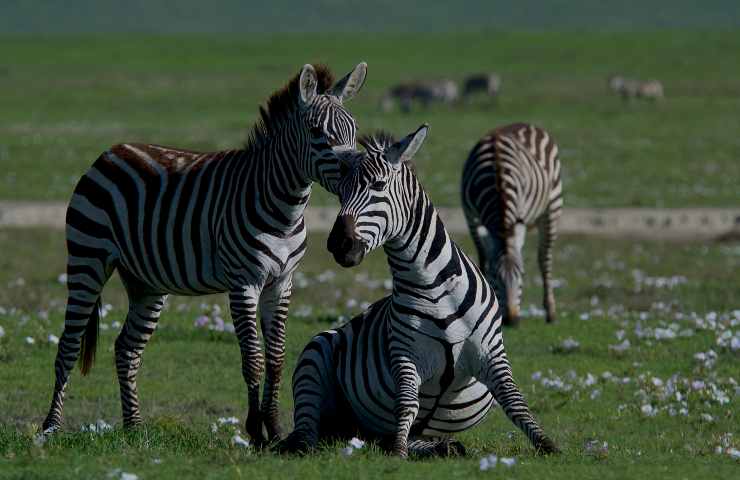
{"points": [[233, 16]]}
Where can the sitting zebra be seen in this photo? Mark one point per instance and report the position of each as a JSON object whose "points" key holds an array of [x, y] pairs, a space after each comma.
{"points": [[486, 83], [188, 223], [425, 93], [427, 361], [510, 182]]}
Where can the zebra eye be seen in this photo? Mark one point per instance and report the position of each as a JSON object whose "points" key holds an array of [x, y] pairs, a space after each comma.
{"points": [[378, 185]]}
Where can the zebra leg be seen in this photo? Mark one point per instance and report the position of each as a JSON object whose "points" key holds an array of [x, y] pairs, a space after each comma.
{"points": [[314, 397], [430, 448], [547, 235], [273, 305], [243, 305], [141, 321], [407, 402], [86, 278], [474, 225], [496, 374]]}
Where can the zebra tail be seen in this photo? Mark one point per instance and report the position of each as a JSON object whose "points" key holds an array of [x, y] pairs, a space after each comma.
{"points": [[90, 340]]}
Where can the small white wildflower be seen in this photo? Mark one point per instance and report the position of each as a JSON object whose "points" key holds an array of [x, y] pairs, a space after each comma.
{"points": [[30, 340], [2, 332], [620, 334], [698, 385], [238, 441], [508, 461], [707, 417], [39, 439], [596, 447], [648, 410], [734, 453], [115, 324], [621, 347], [128, 476], [568, 345], [589, 380], [595, 394], [53, 339], [346, 451], [583, 316], [388, 284], [489, 462], [536, 375], [356, 443], [657, 382], [157, 461], [228, 421], [62, 278], [214, 428]]}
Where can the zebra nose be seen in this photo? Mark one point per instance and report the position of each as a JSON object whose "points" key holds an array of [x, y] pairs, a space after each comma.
{"points": [[344, 243]]}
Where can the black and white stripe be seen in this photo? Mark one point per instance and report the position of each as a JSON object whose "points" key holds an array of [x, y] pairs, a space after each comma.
{"points": [[178, 222], [511, 182], [427, 361]]}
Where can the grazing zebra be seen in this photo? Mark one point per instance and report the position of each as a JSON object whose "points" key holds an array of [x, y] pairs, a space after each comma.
{"points": [[404, 95], [427, 361], [173, 221], [511, 181], [488, 83], [629, 88]]}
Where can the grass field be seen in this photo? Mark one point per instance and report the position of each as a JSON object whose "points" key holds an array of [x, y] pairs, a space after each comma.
{"points": [[608, 291], [66, 99]]}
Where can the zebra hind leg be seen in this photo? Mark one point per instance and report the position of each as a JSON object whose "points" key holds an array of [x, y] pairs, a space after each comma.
{"points": [[86, 278], [547, 236], [141, 321], [436, 448]]}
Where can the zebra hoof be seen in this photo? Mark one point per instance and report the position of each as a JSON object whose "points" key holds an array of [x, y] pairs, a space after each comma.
{"points": [[547, 447], [50, 429], [293, 444]]}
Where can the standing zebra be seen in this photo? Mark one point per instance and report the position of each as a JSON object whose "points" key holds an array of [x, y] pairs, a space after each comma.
{"points": [[181, 222], [427, 92], [511, 181], [429, 360], [487, 83]]}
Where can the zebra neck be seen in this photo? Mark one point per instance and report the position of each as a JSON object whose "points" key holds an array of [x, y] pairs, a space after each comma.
{"points": [[426, 265], [277, 189]]}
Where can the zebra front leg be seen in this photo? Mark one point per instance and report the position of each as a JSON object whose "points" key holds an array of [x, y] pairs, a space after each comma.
{"points": [[407, 402], [274, 303], [547, 236], [496, 375], [243, 305], [141, 321]]}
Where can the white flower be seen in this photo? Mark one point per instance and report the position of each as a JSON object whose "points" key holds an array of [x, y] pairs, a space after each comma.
{"points": [[62, 278], [664, 334], [734, 453], [129, 476], [621, 347], [346, 451], [388, 284], [30, 340], [568, 345], [656, 382], [39, 439], [707, 417], [648, 410], [356, 443], [620, 334], [508, 461], [53, 339], [488, 462], [2, 332], [228, 421], [536, 375], [595, 394], [238, 441]]}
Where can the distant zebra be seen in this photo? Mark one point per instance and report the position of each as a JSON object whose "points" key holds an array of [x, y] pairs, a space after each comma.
{"points": [[425, 93], [487, 83], [188, 223], [511, 181], [629, 88], [427, 361]]}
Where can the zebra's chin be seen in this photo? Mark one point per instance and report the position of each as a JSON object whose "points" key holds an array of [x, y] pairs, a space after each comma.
{"points": [[351, 258]]}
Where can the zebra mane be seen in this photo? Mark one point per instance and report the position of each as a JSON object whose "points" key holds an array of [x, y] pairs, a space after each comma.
{"points": [[282, 105], [379, 141]]}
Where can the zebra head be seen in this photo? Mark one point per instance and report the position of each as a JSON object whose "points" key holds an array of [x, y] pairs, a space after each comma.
{"points": [[331, 128], [506, 271], [376, 192]]}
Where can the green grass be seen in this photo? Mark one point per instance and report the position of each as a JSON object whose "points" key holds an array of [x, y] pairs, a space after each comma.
{"points": [[68, 98], [191, 377]]}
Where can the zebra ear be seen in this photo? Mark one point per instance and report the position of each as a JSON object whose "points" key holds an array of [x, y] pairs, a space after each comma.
{"points": [[348, 87], [405, 150], [307, 83]]}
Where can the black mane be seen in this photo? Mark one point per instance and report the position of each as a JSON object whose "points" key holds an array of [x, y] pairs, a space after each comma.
{"points": [[281, 105]]}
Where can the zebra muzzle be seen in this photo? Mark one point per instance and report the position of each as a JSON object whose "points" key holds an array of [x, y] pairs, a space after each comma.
{"points": [[344, 243]]}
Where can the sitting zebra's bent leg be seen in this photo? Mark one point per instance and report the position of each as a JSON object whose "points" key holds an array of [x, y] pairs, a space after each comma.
{"points": [[243, 305], [420, 448], [141, 321], [315, 398], [273, 304], [496, 375], [86, 278]]}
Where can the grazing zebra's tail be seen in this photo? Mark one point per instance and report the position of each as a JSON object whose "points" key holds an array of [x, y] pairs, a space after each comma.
{"points": [[90, 340]]}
